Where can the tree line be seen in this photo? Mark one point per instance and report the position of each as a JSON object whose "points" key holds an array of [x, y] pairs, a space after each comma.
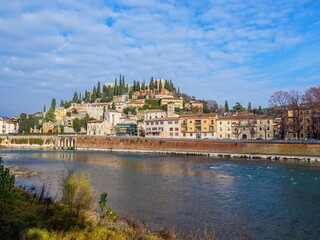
{"points": [[293, 107]]}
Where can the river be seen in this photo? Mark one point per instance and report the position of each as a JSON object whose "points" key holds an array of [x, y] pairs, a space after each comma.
{"points": [[254, 199]]}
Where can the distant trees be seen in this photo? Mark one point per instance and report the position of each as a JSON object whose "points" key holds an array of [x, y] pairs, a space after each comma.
{"points": [[238, 108], [311, 99], [28, 122]]}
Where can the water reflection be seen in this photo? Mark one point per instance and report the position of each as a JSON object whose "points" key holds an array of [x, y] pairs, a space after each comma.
{"points": [[260, 200]]}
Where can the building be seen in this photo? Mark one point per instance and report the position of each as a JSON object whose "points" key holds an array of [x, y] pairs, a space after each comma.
{"points": [[96, 127], [195, 106], [8, 126], [198, 125], [96, 110], [177, 102], [113, 117], [60, 113], [248, 126], [163, 127], [154, 113], [127, 129]]}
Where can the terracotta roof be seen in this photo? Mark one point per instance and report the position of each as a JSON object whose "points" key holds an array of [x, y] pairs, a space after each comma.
{"points": [[245, 117], [95, 121], [200, 115], [111, 110], [162, 119], [154, 110]]}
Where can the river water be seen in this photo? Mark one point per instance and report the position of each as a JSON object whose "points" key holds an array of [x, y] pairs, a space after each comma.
{"points": [[254, 200]]}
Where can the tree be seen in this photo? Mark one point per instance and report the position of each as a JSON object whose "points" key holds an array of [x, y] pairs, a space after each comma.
{"points": [[295, 106], [76, 124], [50, 116], [53, 103], [252, 128], [160, 86], [151, 84], [113, 106], [75, 97], [249, 109], [98, 90], [226, 106], [238, 127], [311, 99], [278, 104], [45, 108], [238, 108], [130, 94], [93, 95]]}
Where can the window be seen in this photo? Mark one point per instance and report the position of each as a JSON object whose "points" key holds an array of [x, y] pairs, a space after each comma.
{"points": [[161, 123], [170, 122], [220, 123], [171, 129], [205, 134], [190, 134], [220, 129], [190, 121], [204, 121], [228, 135], [171, 134], [147, 123], [190, 128], [220, 135], [228, 129], [157, 123], [152, 123], [184, 134], [176, 134], [176, 129], [176, 122]]}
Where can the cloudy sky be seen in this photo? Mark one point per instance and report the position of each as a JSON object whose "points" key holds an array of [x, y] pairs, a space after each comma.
{"points": [[231, 50]]}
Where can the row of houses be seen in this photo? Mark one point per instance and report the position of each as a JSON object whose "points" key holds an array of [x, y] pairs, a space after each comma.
{"points": [[166, 124]]}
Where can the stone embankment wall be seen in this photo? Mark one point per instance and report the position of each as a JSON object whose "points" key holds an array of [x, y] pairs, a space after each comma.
{"points": [[264, 148], [269, 150]]}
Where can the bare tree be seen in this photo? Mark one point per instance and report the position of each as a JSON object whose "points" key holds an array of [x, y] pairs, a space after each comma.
{"points": [[295, 106], [251, 125], [237, 128], [312, 100], [278, 103]]}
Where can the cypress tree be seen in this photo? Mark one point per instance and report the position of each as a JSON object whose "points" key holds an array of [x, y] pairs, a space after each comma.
{"points": [[226, 106], [138, 86], [160, 85], [45, 108], [53, 104], [134, 86], [75, 97], [115, 89], [151, 84], [98, 90], [249, 109]]}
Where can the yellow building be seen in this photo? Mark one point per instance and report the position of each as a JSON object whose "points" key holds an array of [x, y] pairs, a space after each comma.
{"points": [[198, 125], [247, 126], [177, 102], [60, 113]]}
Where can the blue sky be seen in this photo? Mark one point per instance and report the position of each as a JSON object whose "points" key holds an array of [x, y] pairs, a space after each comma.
{"points": [[231, 50]]}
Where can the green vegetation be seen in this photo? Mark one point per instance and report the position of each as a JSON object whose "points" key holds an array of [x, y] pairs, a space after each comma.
{"points": [[25, 215], [27, 122], [21, 141]]}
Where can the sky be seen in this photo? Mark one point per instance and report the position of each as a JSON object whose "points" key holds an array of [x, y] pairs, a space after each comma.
{"points": [[220, 50]]}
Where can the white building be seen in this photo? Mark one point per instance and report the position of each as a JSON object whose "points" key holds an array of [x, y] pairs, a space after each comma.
{"points": [[7, 126]]}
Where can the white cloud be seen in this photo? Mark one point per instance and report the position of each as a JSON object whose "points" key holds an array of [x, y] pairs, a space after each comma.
{"points": [[211, 49]]}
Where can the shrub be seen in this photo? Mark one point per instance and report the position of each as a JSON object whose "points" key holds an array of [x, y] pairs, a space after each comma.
{"points": [[77, 194]]}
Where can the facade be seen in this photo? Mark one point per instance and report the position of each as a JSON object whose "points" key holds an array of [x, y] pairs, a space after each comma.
{"points": [[198, 125], [195, 106], [96, 110], [60, 113], [177, 102], [8, 126], [163, 127], [96, 127], [127, 129], [113, 117], [154, 113], [245, 127]]}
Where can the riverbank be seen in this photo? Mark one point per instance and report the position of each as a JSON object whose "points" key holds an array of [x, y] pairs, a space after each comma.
{"points": [[264, 150], [34, 215]]}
